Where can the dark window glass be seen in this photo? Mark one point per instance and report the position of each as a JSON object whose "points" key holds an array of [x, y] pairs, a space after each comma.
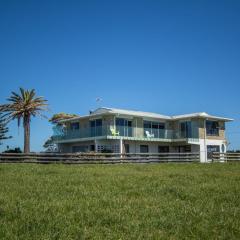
{"points": [[211, 149], [79, 149], [124, 127], [129, 123], [163, 149], [92, 123], [99, 122], [143, 148], [120, 121], [126, 148], [147, 124], [155, 125], [74, 126], [96, 127], [183, 149], [212, 128], [161, 126], [186, 129]]}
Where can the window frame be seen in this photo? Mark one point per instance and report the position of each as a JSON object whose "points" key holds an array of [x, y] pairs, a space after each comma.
{"points": [[147, 148], [210, 130]]}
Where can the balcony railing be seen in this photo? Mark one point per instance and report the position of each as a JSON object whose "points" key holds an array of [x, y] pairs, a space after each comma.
{"points": [[213, 132], [194, 133], [158, 133], [80, 133], [122, 131]]}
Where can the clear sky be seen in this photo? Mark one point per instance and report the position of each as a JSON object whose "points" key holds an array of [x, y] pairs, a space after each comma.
{"points": [[170, 57]]}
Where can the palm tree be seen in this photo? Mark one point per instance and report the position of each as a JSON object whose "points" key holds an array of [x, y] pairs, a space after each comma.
{"points": [[23, 106], [3, 129]]}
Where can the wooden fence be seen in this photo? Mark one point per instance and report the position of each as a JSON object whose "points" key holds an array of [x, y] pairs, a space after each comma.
{"points": [[93, 158], [225, 157]]}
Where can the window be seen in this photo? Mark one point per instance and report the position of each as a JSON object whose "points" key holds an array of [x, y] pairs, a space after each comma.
{"points": [[126, 148], [98, 122], [153, 125], [109, 148], [147, 124], [96, 127], [211, 149], [82, 148], [143, 148], [223, 148], [163, 149], [92, 148], [184, 149], [124, 127], [212, 128], [156, 129], [74, 126], [186, 129]]}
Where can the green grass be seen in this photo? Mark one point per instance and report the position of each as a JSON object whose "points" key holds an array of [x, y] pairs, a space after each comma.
{"points": [[152, 201]]}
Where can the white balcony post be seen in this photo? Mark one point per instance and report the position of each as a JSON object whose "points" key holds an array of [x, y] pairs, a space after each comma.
{"points": [[96, 145], [121, 146]]}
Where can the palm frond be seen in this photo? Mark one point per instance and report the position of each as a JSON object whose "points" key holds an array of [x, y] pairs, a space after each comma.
{"points": [[24, 104]]}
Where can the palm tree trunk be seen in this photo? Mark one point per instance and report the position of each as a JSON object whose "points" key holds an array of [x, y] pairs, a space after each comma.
{"points": [[26, 125]]}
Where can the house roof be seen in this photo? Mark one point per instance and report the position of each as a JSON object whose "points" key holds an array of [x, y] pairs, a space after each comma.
{"points": [[201, 115], [106, 110], [130, 112]]}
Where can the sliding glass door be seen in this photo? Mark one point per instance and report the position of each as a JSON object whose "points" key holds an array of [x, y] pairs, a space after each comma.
{"points": [[154, 129], [124, 127], [96, 128]]}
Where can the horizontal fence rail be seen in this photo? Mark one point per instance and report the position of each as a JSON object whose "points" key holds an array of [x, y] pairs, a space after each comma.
{"points": [[104, 158], [225, 157]]}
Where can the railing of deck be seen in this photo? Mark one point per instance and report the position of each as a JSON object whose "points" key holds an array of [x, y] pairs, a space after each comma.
{"points": [[122, 131]]}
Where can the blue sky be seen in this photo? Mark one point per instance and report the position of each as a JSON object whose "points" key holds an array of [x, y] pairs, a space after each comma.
{"points": [[170, 57]]}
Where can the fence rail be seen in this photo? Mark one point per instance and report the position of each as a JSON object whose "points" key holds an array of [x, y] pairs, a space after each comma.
{"points": [[93, 158], [225, 157]]}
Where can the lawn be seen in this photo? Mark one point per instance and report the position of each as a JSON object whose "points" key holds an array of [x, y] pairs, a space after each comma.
{"points": [[148, 201]]}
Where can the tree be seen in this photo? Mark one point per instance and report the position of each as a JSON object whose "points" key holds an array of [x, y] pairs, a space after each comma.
{"points": [[15, 150], [24, 106], [3, 129], [58, 129], [61, 116]]}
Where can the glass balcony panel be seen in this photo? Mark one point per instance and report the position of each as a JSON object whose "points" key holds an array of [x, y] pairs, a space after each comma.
{"points": [[124, 131]]}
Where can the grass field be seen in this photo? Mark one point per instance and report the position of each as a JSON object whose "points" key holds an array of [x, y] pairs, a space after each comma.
{"points": [[152, 201]]}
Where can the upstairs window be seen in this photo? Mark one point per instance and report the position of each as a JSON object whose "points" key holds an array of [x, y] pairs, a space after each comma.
{"points": [[123, 122], [124, 127], [212, 128], [156, 129], [74, 126], [153, 125], [96, 123], [96, 128], [186, 129]]}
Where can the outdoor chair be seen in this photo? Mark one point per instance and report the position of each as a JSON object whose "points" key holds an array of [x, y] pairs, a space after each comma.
{"points": [[149, 135], [114, 132]]}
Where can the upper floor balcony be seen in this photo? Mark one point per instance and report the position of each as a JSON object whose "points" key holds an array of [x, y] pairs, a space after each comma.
{"points": [[126, 132]]}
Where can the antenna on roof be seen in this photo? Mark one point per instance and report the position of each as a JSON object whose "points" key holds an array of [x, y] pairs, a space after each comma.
{"points": [[98, 101]]}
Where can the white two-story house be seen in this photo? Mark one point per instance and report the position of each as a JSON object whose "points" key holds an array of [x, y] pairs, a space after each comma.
{"points": [[125, 131]]}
